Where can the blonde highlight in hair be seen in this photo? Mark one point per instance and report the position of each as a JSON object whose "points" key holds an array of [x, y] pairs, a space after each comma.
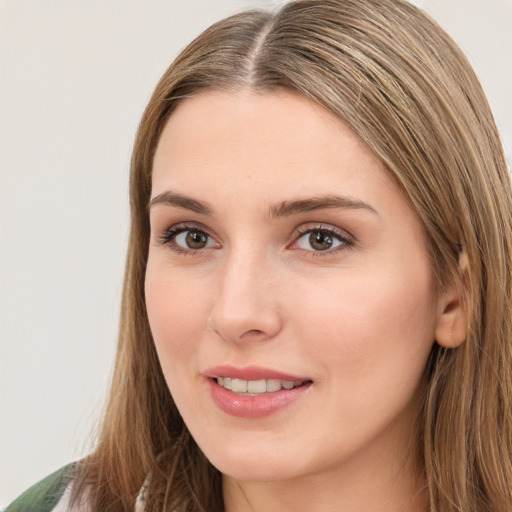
{"points": [[392, 75]]}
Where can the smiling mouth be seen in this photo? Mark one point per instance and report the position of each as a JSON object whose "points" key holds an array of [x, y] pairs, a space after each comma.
{"points": [[257, 387]]}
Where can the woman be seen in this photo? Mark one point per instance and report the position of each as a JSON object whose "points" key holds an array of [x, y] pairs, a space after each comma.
{"points": [[316, 313]]}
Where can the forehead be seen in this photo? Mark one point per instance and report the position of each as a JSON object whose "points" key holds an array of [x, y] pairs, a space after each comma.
{"points": [[280, 137]]}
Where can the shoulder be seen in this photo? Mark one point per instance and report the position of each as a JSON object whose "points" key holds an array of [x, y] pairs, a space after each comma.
{"points": [[47, 494]]}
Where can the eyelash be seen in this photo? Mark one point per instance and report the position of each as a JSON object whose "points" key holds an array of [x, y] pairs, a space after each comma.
{"points": [[168, 237], [346, 240]]}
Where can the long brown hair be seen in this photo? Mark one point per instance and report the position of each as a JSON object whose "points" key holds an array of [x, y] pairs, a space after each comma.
{"points": [[391, 74]]}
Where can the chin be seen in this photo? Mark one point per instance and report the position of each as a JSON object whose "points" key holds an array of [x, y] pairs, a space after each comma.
{"points": [[253, 466], [257, 472]]}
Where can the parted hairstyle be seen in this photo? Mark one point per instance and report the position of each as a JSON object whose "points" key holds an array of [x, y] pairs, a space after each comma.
{"points": [[389, 72]]}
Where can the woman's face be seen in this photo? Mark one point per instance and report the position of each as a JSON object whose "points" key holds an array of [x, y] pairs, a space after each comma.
{"points": [[288, 288]]}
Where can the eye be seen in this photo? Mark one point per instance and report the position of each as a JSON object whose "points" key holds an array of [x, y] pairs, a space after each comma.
{"points": [[193, 239], [184, 239], [322, 240]]}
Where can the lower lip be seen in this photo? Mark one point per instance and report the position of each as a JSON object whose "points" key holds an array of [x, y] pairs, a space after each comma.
{"points": [[245, 406]]}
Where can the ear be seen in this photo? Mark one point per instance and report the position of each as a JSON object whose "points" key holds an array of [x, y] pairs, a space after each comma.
{"points": [[451, 327]]}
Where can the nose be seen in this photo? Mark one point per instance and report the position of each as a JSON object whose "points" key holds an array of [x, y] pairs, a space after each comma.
{"points": [[246, 306]]}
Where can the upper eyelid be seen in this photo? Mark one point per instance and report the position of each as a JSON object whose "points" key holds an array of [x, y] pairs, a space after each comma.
{"points": [[187, 226], [308, 228], [164, 236]]}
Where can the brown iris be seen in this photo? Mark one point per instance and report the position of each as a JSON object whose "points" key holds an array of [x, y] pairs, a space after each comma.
{"points": [[320, 241], [196, 239]]}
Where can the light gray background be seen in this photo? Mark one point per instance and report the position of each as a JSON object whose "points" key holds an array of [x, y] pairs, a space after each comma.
{"points": [[75, 77]]}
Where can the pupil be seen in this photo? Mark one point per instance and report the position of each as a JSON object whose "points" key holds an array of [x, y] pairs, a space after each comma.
{"points": [[196, 239], [320, 241]]}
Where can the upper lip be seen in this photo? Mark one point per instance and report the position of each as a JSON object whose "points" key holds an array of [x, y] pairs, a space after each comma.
{"points": [[250, 373]]}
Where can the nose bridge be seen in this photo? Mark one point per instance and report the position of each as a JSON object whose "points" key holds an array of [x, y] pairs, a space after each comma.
{"points": [[245, 305]]}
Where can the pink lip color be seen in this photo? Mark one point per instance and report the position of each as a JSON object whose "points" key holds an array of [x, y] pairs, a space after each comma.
{"points": [[250, 373], [244, 406]]}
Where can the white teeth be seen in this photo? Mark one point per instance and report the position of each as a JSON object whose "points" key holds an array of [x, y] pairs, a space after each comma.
{"points": [[273, 385], [239, 386], [256, 387]]}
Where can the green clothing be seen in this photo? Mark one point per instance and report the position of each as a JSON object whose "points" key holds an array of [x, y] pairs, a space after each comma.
{"points": [[46, 494], [53, 493]]}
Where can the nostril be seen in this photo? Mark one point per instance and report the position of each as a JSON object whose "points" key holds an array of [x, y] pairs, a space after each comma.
{"points": [[253, 333]]}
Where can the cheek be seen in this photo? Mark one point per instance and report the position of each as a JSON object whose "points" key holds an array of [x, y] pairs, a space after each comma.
{"points": [[379, 326], [177, 315]]}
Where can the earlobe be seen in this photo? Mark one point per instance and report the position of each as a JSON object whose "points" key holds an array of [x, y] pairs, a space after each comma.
{"points": [[451, 327]]}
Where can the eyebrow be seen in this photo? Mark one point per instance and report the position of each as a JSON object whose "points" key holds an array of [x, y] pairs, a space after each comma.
{"points": [[283, 209], [181, 201], [287, 208]]}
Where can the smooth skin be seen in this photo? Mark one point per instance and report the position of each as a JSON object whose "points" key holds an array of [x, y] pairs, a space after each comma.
{"points": [[279, 240]]}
